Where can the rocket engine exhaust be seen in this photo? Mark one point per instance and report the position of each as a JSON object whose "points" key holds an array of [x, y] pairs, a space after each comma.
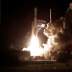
{"points": [[49, 49]]}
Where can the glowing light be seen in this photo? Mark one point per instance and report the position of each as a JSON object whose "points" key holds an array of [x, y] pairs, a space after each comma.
{"points": [[48, 47], [34, 42], [42, 25], [51, 45], [36, 50], [34, 47]]}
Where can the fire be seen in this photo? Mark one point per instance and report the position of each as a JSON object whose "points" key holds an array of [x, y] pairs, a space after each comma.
{"points": [[34, 42], [48, 51], [34, 47], [51, 31], [49, 45]]}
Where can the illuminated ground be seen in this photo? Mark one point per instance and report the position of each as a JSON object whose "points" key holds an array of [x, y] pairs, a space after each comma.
{"points": [[40, 66]]}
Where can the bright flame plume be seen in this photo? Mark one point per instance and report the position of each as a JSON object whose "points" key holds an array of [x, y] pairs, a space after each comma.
{"points": [[34, 47]]}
